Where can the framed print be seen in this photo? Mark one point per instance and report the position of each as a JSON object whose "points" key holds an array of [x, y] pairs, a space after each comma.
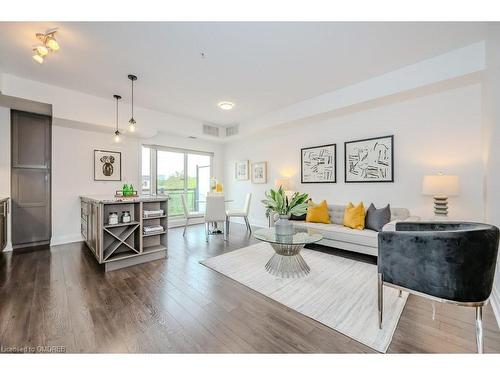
{"points": [[241, 170], [259, 172], [369, 160], [107, 165], [319, 164]]}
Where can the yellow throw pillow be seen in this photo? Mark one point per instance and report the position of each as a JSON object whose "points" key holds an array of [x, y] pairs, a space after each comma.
{"points": [[318, 213], [354, 216]]}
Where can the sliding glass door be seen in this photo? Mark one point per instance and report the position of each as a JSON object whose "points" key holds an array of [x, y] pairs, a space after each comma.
{"points": [[176, 172], [171, 179], [199, 173]]}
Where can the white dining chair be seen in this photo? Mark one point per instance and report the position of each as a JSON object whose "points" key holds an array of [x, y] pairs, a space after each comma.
{"points": [[241, 213], [215, 213], [189, 214]]}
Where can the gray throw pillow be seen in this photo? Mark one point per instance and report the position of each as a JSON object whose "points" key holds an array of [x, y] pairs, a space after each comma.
{"points": [[376, 218]]}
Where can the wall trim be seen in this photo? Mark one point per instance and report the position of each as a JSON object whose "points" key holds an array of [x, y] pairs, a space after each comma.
{"points": [[61, 240]]}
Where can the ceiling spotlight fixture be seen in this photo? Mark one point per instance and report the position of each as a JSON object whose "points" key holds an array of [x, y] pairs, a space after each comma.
{"points": [[37, 56], [117, 132], [49, 45], [226, 106], [131, 122], [49, 40], [42, 51]]}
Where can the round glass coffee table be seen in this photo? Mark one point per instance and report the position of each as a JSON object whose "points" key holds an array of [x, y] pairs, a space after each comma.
{"points": [[287, 261]]}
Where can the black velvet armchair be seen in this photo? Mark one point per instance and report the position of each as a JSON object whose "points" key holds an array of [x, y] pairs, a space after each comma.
{"points": [[451, 262]]}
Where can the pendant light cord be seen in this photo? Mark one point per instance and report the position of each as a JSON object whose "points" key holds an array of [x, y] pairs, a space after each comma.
{"points": [[116, 114], [132, 98]]}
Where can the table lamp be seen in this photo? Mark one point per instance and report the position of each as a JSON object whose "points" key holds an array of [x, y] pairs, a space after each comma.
{"points": [[284, 182], [441, 187]]}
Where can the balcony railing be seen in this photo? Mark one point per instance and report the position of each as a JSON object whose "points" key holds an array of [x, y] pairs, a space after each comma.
{"points": [[175, 201]]}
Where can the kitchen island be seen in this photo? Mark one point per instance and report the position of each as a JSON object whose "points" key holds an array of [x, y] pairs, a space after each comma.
{"points": [[120, 232]]}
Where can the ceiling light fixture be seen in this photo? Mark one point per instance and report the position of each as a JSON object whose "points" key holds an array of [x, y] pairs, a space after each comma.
{"points": [[42, 51], [117, 132], [50, 44], [131, 122], [37, 57], [226, 106], [49, 40]]}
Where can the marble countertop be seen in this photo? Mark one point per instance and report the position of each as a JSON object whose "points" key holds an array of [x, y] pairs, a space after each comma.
{"points": [[106, 198]]}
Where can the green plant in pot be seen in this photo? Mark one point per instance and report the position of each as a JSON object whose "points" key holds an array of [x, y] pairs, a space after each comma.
{"points": [[277, 202], [127, 190]]}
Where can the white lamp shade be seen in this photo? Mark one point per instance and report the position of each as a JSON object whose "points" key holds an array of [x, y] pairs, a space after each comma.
{"points": [[283, 182], [440, 185]]}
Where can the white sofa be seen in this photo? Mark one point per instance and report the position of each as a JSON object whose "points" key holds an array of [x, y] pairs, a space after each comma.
{"points": [[361, 241]]}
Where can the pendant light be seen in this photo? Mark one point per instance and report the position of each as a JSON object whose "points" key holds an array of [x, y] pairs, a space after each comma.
{"points": [[131, 122], [117, 132]]}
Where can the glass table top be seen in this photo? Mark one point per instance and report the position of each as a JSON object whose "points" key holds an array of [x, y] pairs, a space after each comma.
{"points": [[300, 236]]}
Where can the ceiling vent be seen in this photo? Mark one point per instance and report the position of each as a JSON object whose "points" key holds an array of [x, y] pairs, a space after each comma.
{"points": [[232, 130], [210, 130]]}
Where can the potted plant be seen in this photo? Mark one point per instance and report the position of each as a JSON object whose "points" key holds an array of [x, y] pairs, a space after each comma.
{"points": [[278, 202]]}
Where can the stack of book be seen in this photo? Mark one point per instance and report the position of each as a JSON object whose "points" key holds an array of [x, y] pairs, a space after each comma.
{"points": [[153, 213], [152, 229]]}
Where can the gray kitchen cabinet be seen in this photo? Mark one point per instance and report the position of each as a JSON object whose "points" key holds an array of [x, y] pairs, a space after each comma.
{"points": [[30, 179]]}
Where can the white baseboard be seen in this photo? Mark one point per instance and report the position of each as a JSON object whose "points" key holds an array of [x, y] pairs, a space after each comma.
{"points": [[495, 303], [61, 240], [180, 222]]}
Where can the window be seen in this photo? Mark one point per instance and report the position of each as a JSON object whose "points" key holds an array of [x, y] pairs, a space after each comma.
{"points": [[176, 172], [146, 171]]}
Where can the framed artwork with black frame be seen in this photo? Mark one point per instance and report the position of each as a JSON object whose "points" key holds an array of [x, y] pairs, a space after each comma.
{"points": [[369, 160], [318, 164], [107, 165]]}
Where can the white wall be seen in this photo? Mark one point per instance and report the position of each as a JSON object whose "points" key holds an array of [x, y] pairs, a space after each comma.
{"points": [[73, 175], [491, 120], [436, 132], [5, 160]]}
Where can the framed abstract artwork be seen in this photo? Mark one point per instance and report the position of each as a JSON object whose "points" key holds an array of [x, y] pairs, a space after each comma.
{"points": [[369, 160], [259, 172], [319, 164], [241, 170], [107, 165]]}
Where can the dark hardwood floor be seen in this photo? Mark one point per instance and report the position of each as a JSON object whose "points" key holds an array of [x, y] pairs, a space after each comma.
{"points": [[62, 297]]}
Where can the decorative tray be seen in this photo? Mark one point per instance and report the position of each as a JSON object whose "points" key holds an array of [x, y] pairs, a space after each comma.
{"points": [[119, 194]]}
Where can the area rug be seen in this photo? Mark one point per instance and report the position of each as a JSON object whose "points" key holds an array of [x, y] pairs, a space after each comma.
{"points": [[338, 292]]}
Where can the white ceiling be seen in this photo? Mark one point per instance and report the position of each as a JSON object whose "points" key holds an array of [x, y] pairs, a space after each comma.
{"points": [[259, 66]]}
